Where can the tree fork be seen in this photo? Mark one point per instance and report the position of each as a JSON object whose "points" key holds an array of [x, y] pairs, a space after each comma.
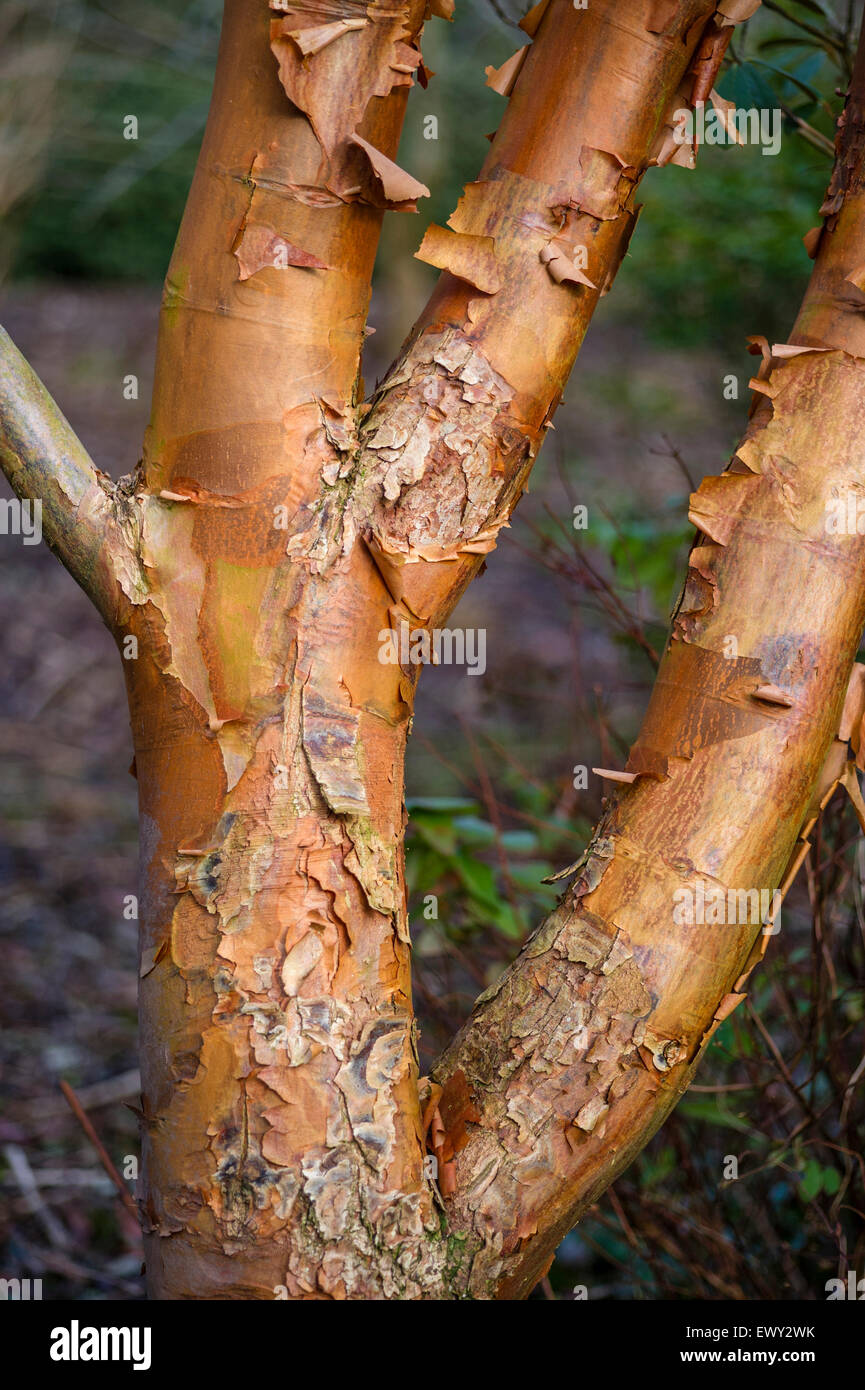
{"points": [[278, 524], [282, 1131]]}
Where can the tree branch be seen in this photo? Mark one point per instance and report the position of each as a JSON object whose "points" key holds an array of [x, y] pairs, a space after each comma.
{"points": [[575, 1057], [267, 293], [531, 248], [46, 463]]}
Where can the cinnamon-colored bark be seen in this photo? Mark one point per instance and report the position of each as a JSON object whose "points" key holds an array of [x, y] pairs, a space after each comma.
{"points": [[723, 792], [279, 524]]}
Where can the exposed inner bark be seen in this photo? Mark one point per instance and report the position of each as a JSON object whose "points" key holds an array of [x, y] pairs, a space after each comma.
{"points": [[279, 524], [283, 1127]]}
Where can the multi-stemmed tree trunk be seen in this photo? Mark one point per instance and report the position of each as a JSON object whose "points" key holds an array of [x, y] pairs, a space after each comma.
{"points": [[278, 523]]}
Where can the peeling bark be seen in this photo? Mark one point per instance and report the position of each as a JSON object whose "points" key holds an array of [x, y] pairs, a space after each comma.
{"points": [[279, 523], [577, 1055], [610, 1005]]}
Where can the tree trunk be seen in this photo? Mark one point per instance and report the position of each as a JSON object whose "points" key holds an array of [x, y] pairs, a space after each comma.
{"points": [[278, 526]]}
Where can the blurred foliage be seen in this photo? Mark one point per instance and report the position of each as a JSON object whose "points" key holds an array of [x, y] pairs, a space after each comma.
{"points": [[717, 250], [462, 892], [106, 207]]}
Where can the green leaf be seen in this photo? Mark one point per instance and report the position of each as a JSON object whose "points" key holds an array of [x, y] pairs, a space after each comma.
{"points": [[812, 1180], [655, 1170], [794, 41], [474, 831], [831, 1181], [509, 922], [437, 831], [479, 879], [815, 7], [711, 1112], [520, 841], [745, 85], [424, 868], [809, 67], [529, 874], [790, 77], [441, 805]]}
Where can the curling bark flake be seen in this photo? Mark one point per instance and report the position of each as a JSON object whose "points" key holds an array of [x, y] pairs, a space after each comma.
{"points": [[724, 784], [278, 524]]}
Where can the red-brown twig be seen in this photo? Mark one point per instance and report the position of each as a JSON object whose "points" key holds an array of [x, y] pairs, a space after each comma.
{"points": [[104, 1157]]}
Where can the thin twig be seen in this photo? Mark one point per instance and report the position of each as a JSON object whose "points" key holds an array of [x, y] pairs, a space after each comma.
{"points": [[104, 1157]]}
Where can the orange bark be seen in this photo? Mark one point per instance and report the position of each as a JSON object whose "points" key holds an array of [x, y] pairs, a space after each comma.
{"points": [[279, 524], [283, 1124], [574, 1059]]}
